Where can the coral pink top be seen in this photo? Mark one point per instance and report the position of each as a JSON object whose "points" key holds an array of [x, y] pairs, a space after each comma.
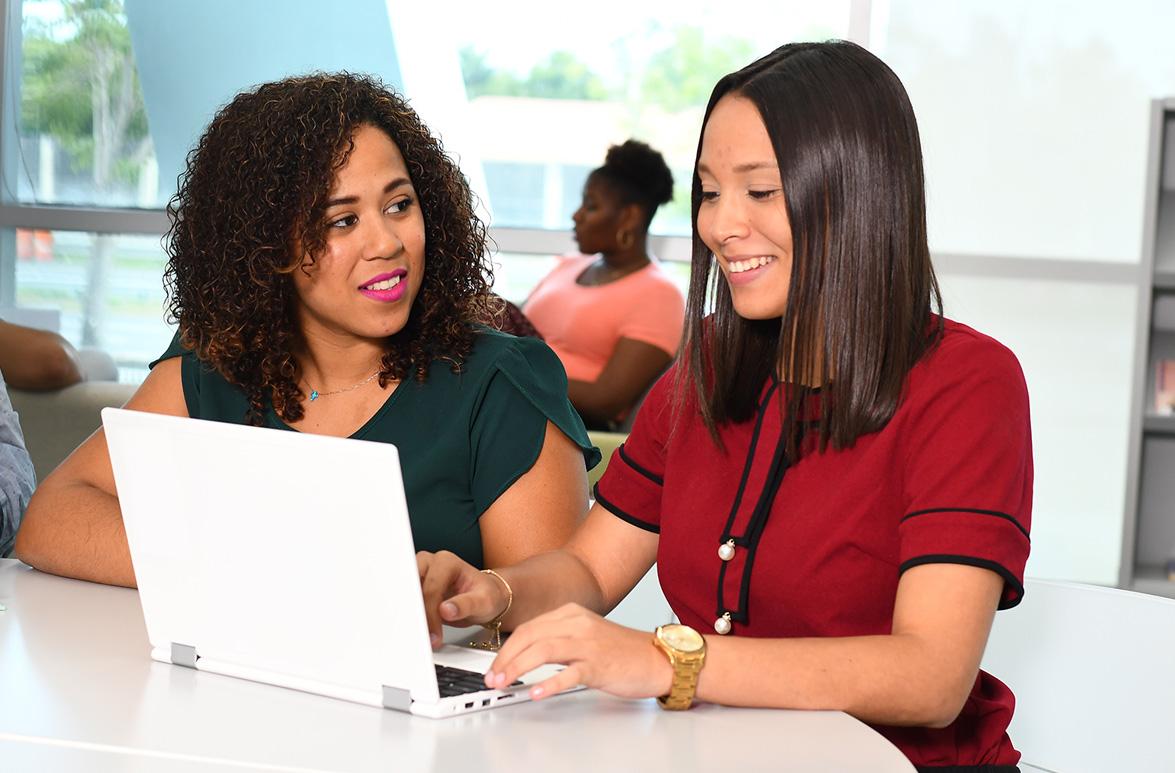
{"points": [[582, 324]]}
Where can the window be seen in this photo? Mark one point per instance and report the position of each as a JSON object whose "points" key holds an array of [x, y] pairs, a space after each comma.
{"points": [[112, 94]]}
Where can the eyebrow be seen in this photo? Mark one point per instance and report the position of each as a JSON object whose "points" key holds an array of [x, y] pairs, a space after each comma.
{"points": [[396, 183], [748, 167]]}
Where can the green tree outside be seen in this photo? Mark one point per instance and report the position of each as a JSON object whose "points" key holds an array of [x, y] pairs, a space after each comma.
{"points": [[560, 76], [80, 86]]}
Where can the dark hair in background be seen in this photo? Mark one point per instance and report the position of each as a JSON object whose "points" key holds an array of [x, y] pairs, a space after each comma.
{"points": [[639, 175], [251, 205], [858, 314]]}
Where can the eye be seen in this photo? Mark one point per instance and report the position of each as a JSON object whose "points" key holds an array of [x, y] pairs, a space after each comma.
{"points": [[709, 195], [762, 195], [346, 221], [400, 205]]}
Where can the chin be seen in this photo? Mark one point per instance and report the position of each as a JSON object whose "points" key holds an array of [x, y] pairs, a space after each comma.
{"points": [[756, 311]]}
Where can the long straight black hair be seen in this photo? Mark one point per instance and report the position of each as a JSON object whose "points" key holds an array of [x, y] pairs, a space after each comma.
{"points": [[859, 308]]}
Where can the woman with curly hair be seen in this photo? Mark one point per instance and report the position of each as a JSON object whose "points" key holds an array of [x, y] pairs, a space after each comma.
{"points": [[328, 274]]}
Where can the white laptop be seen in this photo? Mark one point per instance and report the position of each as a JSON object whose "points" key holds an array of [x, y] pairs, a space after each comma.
{"points": [[285, 558]]}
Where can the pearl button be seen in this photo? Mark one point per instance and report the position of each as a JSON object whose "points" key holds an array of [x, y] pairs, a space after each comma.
{"points": [[722, 624], [726, 550]]}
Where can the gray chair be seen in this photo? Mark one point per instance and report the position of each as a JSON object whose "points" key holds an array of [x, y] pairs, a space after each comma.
{"points": [[1093, 671], [56, 422]]}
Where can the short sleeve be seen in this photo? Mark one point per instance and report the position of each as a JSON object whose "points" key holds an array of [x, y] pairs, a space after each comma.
{"points": [[174, 349], [657, 319], [17, 477], [525, 389], [631, 487], [206, 393], [968, 471]]}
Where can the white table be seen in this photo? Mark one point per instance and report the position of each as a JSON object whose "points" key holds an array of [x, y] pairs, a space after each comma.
{"points": [[78, 691]]}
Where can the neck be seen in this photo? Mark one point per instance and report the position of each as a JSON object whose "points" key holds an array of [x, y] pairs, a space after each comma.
{"points": [[328, 365], [633, 257]]}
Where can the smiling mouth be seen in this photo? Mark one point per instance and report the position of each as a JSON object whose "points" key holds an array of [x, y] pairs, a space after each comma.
{"points": [[383, 284], [740, 266]]}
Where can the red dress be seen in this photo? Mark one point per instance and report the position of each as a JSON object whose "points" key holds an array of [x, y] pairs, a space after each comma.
{"points": [[820, 543]]}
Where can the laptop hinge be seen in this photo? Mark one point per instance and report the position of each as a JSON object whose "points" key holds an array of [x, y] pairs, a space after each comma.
{"points": [[184, 655], [397, 699]]}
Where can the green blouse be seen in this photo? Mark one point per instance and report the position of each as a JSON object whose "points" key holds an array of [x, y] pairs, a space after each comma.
{"points": [[463, 438]]}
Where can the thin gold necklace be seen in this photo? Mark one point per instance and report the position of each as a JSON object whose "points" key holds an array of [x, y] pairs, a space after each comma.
{"points": [[315, 394]]}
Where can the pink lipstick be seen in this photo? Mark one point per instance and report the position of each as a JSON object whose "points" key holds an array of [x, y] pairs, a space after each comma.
{"points": [[387, 287]]}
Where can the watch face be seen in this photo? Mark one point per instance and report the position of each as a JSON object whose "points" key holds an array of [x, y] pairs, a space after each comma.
{"points": [[682, 638]]}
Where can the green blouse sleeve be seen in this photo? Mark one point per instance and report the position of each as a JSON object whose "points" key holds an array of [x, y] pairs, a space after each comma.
{"points": [[206, 393], [174, 349], [526, 389]]}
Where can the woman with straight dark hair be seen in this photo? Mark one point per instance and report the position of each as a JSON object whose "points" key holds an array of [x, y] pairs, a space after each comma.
{"points": [[835, 482]]}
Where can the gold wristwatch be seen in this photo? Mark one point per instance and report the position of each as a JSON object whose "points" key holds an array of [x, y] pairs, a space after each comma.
{"points": [[686, 650]]}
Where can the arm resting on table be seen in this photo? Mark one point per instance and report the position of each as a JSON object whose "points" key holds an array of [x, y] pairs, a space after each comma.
{"points": [[73, 526]]}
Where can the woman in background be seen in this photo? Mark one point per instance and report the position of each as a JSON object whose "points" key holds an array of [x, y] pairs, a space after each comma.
{"points": [[611, 315], [835, 481], [329, 276]]}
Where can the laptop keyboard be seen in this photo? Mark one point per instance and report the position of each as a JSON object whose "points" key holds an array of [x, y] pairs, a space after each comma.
{"points": [[458, 681]]}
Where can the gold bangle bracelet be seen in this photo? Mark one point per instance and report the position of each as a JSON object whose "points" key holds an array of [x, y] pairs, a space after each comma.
{"points": [[495, 625]]}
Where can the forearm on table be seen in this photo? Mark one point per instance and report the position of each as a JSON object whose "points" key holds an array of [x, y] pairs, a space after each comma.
{"points": [[893, 680], [76, 530], [548, 581]]}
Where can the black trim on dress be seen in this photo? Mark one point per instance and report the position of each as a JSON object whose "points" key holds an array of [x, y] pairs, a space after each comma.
{"points": [[758, 517], [627, 517], [996, 513], [983, 563], [643, 471]]}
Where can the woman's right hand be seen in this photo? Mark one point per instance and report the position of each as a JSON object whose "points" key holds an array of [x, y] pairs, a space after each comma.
{"points": [[456, 593]]}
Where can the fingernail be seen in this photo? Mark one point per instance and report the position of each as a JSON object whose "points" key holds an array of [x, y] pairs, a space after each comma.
{"points": [[501, 678], [434, 638], [537, 693], [491, 678], [449, 609]]}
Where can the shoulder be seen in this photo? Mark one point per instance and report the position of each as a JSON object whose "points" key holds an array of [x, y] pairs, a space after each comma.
{"points": [[207, 394], [659, 274], [967, 359], [495, 351], [572, 264], [174, 349], [656, 287], [964, 349]]}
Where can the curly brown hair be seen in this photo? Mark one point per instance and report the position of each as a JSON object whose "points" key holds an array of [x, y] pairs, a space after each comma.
{"points": [[251, 204]]}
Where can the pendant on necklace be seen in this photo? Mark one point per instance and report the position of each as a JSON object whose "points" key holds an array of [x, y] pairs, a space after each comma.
{"points": [[313, 395]]}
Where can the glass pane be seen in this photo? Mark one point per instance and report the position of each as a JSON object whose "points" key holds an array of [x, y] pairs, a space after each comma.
{"points": [[107, 287], [527, 107], [517, 273], [84, 136], [1034, 120], [547, 104]]}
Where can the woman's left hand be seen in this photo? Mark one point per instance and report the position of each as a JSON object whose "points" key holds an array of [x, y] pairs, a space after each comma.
{"points": [[597, 653]]}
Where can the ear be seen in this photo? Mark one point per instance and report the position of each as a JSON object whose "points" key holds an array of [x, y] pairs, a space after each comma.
{"points": [[632, 218]]}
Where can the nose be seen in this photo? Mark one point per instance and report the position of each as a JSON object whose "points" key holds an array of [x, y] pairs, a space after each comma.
{"points": [[728, 219], [383, 239], [577, 216]]}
